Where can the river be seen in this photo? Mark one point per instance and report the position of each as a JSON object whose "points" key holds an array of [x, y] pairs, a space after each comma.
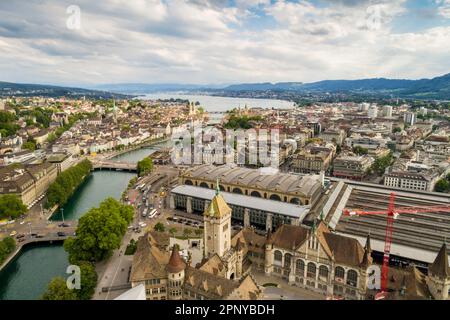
{"points": [[27, 276], [220, 104]]}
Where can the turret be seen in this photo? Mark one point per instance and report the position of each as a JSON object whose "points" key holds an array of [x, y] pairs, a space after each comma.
{"points": [[175, 272], [268, 262]]}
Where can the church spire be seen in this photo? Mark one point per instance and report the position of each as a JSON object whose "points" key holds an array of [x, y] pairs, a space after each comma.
{"points": [[440, 266]]}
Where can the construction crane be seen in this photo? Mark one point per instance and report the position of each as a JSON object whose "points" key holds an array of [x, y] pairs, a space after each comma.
{"points": [[391, 214]]}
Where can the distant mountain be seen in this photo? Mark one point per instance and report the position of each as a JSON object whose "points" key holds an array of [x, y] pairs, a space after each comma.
{"points": [[280, 86], [143, 88], [436, 88], [28, 90]]}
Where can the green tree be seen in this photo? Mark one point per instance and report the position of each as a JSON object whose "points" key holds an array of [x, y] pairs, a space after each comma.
{"points": [[360, 150], [442, 186], [187, 232], [29, 146], [144, 166], [380, 164], [99, 232], [172, 231], [7, 246], [159, 227], [88, 281], [11, 206], [57, 290]]}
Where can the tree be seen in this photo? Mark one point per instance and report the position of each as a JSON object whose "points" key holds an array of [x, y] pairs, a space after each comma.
{"points": [[159, 227], [442, 186], [11, 206], [29, 146], [397, 129], [7, 246], [187, 232], [360, 150], [99, 232], [57, 290], [88, 281], [144, 166], [198, 232], [172, 231], [380, 164]]}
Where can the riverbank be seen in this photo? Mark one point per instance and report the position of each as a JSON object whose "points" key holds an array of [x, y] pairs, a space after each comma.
{"points": [[145, 144]]}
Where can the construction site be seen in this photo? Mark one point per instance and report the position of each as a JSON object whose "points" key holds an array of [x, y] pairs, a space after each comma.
{"points": [[416, 236]]}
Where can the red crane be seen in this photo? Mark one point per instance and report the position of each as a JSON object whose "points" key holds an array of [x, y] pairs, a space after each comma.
{"points": [[392, 214]]}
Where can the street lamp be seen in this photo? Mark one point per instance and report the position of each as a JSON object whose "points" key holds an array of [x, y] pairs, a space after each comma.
{"points": [[62, 214]]}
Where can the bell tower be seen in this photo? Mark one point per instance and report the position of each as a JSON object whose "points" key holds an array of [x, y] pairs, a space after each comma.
{"points": [[217, 224]]}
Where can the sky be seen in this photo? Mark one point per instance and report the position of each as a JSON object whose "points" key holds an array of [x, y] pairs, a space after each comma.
{"points": [[85, 42]]}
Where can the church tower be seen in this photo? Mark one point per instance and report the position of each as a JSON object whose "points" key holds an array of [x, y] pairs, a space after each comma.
{"points": [[439, 275], [217, 223]]}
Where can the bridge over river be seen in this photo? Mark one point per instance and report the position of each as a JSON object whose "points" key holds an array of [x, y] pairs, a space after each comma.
{"points": [[114, 165]]}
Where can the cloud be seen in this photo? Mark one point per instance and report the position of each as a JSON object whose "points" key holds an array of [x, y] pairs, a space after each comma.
{"points": [[205, 41]]}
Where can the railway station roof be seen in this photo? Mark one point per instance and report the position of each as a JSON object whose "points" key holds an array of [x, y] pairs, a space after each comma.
{"points": [[272, 206]]}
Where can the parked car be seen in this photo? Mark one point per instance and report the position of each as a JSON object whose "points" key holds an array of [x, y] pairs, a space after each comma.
{"points": [[63, 225], [61, 234], [21, 240], [13, 233], [21, 235]]}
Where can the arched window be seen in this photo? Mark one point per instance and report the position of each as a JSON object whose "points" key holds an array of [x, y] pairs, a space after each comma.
{"points": [[300, 267], [204, 185], [295, 201], [339, 273], [287, 260], [188, 182], [237, 190], [323, 273], [277, 256], [311, 270], [221, 187], [275, 197], [255, 194], [352, 278]]}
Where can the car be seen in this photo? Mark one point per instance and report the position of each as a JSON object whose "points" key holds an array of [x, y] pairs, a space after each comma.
{"points": [[142, 224], [21, 240], [39, 235], [22, 222], [13, 233], [33, 234], [61, 234], [21, 235], [63, 225]]}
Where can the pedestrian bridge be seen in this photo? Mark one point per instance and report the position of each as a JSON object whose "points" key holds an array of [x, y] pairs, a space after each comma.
{"points": [[114, 165]]}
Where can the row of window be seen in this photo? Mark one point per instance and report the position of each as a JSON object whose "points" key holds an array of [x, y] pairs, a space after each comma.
{"points": [[152, 282], [311, 269], [159, 290]]}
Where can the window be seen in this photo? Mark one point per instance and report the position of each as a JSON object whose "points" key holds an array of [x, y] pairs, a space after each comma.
{"points": [[287, 260], [225, 227], [300, 267], [352, 278], [311, 270], [339, 274], [277, 257], [323, 273]]}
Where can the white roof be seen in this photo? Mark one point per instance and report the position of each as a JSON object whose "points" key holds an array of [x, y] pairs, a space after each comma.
{"points": [[136, 293], [272, 206]]}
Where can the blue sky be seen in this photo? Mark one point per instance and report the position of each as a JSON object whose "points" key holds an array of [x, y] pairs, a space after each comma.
{"points": [[220, 41]]}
